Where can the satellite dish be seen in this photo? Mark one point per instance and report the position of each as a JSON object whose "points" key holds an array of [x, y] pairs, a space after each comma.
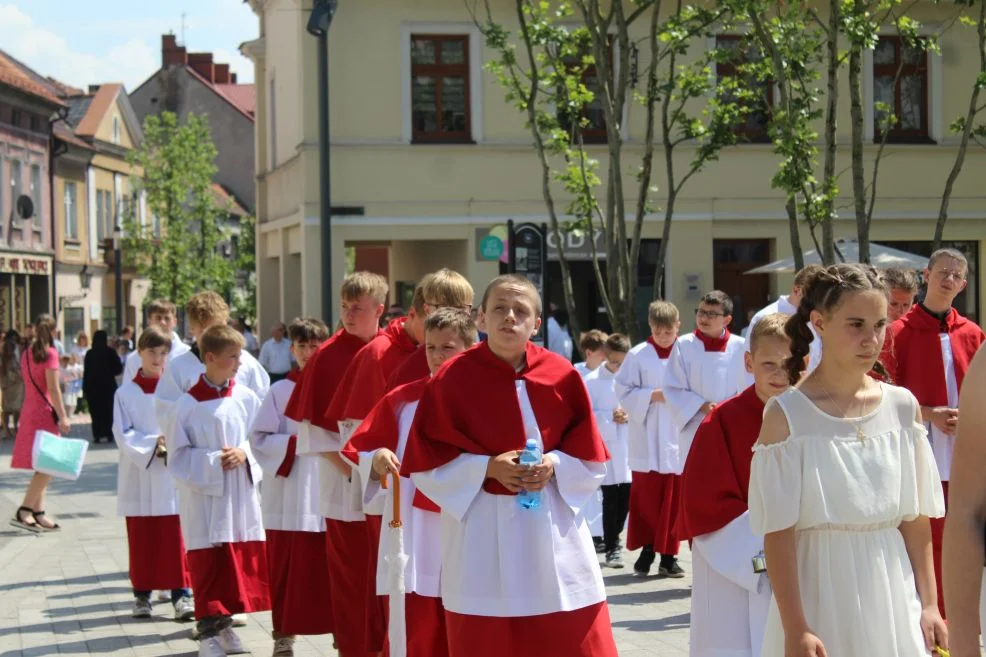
{"points": [[25, 207]]}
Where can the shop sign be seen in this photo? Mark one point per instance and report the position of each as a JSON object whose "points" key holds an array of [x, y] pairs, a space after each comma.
{"points": [[24, 264]]}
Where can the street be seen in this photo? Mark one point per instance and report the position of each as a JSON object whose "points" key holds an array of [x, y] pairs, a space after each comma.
{"points": [[67, 593]]}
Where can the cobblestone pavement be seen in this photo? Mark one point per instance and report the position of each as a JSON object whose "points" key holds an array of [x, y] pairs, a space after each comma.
{"points": [[67, 593]]}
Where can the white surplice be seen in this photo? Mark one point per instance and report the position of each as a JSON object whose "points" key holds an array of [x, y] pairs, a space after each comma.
{"points": [[132, 364], [216, 506], [943, 444], [601, 384], [500, 560], [289, 503], [784, 305], [729, 601], [696, 376], [652, 437], [144, 486]]}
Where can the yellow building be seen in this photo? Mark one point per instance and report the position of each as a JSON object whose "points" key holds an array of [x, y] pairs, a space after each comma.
{"points": [[415, 190]]}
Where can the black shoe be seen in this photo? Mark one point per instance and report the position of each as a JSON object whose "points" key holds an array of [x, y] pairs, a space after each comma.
{"points": [[614, 559], [672, 570], [600, 545]]}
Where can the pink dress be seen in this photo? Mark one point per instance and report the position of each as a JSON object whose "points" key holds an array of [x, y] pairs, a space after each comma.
{"points": [[36, 413]]}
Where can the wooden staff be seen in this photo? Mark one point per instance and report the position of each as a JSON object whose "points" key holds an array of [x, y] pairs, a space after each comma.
{"points": [[396, 493]]}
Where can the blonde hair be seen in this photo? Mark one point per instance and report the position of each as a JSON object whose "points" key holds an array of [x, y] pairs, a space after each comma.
{"points": [[662, 314], [447, 289], [152, 338], [771, 326], [456, 319], [161, 307], [219, 338], [418, 300], [364, 284], [207, 308], [593, 339], [519, 281]]}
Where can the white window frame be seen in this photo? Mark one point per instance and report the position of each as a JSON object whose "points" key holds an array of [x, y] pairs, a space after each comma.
{"points": [[935, 88], [71, 203], [37, 195], [117, 133], [476, 77], [16, 182]]}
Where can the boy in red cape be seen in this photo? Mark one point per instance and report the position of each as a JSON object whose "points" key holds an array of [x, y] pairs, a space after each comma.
{"points": [[378, 447], [515, 581], [928, 351], [729, 599]]}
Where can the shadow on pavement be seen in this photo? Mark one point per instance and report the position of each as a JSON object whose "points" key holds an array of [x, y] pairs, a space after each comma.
{"points": [[655, 624], [647, 597], [95, 580]]}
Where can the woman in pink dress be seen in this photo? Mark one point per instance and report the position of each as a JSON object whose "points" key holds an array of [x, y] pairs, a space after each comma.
{"points": [[42, 394]]}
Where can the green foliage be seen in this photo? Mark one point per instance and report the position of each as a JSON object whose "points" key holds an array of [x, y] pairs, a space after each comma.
{"points": [[243, 290]]}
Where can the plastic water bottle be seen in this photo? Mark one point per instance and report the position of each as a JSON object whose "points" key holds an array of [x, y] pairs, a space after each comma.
{"points": [[530, 456]]}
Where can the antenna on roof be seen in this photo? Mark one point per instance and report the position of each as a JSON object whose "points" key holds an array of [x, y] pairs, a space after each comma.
{"points": [[183, 28]]}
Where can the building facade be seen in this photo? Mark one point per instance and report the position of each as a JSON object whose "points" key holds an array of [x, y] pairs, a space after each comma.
{"points": [[422, 170]]}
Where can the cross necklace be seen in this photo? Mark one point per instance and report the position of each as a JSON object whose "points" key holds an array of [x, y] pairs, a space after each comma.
{"points": [[858, 426]]}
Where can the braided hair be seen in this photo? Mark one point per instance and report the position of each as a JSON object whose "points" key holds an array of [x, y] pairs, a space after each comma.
{"points": [[824, 292]]}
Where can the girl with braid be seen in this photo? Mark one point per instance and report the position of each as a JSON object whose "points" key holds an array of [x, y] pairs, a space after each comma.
{"points": [[842, 485]]}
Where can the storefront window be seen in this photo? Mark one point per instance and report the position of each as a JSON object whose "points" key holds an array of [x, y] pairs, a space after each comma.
{"points": [[75, 323]]}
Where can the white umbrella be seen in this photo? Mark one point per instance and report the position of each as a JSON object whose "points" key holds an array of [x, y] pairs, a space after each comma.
{"points": [[396, 560], [881, 257]]}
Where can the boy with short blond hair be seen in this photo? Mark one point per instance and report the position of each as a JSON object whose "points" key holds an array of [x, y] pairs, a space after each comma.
{"points": [[217, 476], [591, 343], [729, 596], [160, 313]]}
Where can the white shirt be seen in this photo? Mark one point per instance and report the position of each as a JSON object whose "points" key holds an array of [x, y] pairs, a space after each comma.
{"points": [[941, 443], [251, 341], [784, 305], [144, 487], [132, 364], [275, 356], [601, 384], [653, 439], [559, 341]]}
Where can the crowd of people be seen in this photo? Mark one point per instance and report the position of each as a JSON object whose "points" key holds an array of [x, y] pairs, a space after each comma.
{"points": [[425, 489]]}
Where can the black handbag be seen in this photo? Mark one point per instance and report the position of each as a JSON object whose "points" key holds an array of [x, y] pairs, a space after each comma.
{"points": [[54, 413]]}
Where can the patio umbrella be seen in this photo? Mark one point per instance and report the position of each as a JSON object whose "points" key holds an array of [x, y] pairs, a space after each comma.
{"points": [[396, 560], [881, 257]]}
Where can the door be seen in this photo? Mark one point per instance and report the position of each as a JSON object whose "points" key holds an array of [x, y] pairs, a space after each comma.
{"points": [[750, 293]]}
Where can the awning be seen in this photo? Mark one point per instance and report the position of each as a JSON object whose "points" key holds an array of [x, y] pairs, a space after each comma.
{"points": [[881, 257]]}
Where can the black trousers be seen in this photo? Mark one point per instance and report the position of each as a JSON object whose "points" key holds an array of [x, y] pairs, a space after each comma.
{"points": [[616, 506]]}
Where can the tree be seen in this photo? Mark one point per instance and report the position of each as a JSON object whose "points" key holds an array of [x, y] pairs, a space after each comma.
{"points": [[244, 290], [179, 249], [569, 90]]}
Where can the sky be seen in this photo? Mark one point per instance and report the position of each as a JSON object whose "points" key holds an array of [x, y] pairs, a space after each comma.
{"points": [[83, 42]]}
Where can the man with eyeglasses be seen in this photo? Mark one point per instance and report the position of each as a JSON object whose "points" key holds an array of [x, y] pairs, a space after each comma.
{"points": [[928, 351]]}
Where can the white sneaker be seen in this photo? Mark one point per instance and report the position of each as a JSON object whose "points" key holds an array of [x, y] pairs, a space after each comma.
{"points": [[231, 643], [184, 609], [211, 647], [164, 596], [142, 608], [239, 620], [284, 647]]}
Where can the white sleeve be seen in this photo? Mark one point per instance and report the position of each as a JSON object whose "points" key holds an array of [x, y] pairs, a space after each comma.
{"points": [[374, 495], [682, 403], [577, 480], [166, 398], [633, 395], [455, 485], [730, 552], [256, 471], [267, 444], [261, 381], [134, 445], [198, 469]]}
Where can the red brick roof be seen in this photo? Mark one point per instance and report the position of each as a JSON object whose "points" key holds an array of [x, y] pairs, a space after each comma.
{"points": [[16, 75], [242, 95], [225, 201]]}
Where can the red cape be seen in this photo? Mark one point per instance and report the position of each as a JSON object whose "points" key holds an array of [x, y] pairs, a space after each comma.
{"points": [[471, 406], [912, 352], [412, 369], [321, 377], [379, 428], [716, 479], [365, 380]]}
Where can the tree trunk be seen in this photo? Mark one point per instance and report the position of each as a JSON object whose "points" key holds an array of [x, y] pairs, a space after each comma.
{"points": [[831, 108], [858, 172], [792, 222]]}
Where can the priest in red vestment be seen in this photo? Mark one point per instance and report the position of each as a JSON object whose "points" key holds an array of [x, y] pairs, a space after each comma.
{"points": [[928, 351]]}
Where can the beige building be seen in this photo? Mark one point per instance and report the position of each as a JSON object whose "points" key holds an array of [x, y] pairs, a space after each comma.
{"points": [[427, 157]]}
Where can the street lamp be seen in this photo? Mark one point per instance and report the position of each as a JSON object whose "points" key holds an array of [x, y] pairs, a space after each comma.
{"points": [[318, 26], [85, 278], [118, 270]]}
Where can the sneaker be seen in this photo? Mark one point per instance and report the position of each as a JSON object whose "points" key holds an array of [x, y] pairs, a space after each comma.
{"points": [[614, 559], [142, 608], [211, 647], [673, 570], [164, 596], [599, 544], [184, 610], [239, 620], [284, 647], [195, 632], [230, 643]]}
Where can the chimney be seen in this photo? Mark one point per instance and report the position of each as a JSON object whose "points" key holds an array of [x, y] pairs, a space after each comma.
{"points": [[201, 63], [171, 53], [93, 89], [222, 73]]}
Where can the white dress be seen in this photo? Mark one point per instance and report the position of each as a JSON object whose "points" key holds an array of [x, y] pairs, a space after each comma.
{"points": [[846, 497]]}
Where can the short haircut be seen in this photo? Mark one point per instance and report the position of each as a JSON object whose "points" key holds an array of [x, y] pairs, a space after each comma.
{"points": [[805, 274], [364, 284], [418, 298], [308, 329], [161, 307], [901, 279], [617, 342], [662, 314], [593, 339], [447, 289], [207, 308], [519, 281], [948, 253], [770, 326], [718, 298], [456, 319], [219, 338], [153, 337]]}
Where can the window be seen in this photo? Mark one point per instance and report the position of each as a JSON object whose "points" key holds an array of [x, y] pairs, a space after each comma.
{"points": [[100, 215], [754, 128], [71, 212], [116, 129], [593, 115], [15, 117], [273, 124], [440, 107], [35, 123], [105, 215], [108, 319], [900, 81], [16, 184], [156, 224], [36, 194], [75, 322]]}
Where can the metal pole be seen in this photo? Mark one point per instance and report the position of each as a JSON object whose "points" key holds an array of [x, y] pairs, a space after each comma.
{"points": [[325, 177], [118, 270]]}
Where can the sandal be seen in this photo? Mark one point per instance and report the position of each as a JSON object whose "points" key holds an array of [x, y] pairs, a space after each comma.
{"points": [[18, 520], [38, 515]]}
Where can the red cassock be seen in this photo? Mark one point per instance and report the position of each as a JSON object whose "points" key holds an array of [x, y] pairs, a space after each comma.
{"points": [[321, 377], [412, 369], [230, 578], [471, 406], [157, 553], [716, 480], [912, 354], [353, 560]]}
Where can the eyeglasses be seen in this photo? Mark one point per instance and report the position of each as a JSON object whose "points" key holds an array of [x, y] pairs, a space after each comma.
{"points": [[948, 273], [708, 314]]}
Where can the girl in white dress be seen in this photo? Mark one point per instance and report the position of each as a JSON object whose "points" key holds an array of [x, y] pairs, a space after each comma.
{"points": [[842, 485]]}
